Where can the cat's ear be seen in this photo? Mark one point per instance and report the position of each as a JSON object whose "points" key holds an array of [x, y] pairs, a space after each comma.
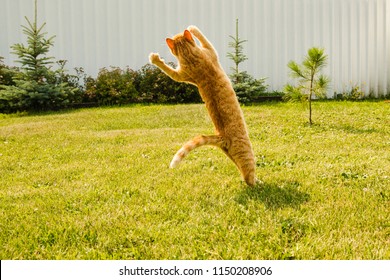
{"points": [[170, 43], [188, 36]]}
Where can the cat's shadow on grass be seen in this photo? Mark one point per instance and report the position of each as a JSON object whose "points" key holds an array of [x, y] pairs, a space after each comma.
{"points": [[274, 195]]}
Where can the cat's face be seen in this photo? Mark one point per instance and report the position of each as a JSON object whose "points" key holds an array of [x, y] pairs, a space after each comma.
{"points": [[181, 44]]}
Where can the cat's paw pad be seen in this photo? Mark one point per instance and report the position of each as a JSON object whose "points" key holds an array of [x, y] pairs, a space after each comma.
{"points": [[154, 58]]}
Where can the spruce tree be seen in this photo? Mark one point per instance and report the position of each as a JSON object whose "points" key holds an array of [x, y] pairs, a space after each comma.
{"points": [[37, 86], [35, 63], [247, 88], [237, 56]]}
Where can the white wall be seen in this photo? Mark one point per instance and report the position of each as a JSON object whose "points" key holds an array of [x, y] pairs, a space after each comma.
{"points": [[99, 33]]}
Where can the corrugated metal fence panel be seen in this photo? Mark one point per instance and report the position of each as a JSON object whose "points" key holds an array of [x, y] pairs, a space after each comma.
{"points": [[100, 33]]}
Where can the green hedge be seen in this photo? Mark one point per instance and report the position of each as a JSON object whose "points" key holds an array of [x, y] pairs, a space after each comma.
{"points": [[112, 86]]}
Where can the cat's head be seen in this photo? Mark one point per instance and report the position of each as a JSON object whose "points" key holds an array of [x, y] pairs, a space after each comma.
{"points": [[181, 44]]}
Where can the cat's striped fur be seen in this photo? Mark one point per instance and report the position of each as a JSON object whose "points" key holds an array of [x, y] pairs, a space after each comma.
{"points": [[199, 65]]}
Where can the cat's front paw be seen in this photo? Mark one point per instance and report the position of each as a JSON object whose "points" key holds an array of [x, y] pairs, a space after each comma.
{"points": [[155, 58], [193, 29]]}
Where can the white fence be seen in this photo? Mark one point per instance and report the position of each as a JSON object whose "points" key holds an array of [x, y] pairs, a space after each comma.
{"points": [[100, 33]]}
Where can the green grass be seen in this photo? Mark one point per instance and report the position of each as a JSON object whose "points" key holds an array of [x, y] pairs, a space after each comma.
{"points": [[95, 184]]}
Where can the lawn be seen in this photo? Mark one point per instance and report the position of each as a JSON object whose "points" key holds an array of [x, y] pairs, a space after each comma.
{"points": [[95, 184]]}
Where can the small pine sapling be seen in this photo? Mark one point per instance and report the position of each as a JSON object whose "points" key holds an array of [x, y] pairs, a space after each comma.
{"points": [[310, 81]]}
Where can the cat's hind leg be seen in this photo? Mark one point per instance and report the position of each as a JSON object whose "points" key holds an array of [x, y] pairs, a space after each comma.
{"points": [[248, 172], [242, 155], [246, 165], [214, 140]]}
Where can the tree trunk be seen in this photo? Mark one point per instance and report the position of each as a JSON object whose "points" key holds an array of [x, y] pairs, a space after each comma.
{"points": [[310, 96], [237, 52]]}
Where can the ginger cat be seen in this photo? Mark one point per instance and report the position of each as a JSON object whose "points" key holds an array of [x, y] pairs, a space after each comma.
{"points": [[199, 65]]}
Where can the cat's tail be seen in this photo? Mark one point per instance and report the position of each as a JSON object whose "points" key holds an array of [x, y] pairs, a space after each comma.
{"points": [[196, 142]]}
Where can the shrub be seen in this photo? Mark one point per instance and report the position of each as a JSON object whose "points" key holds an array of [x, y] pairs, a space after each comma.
{"points": [[353, 93], [156, 87], [112, 86], [7, 74]]}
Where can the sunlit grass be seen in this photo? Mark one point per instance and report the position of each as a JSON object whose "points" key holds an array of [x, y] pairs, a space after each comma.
{"points": [[95, 184]]}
